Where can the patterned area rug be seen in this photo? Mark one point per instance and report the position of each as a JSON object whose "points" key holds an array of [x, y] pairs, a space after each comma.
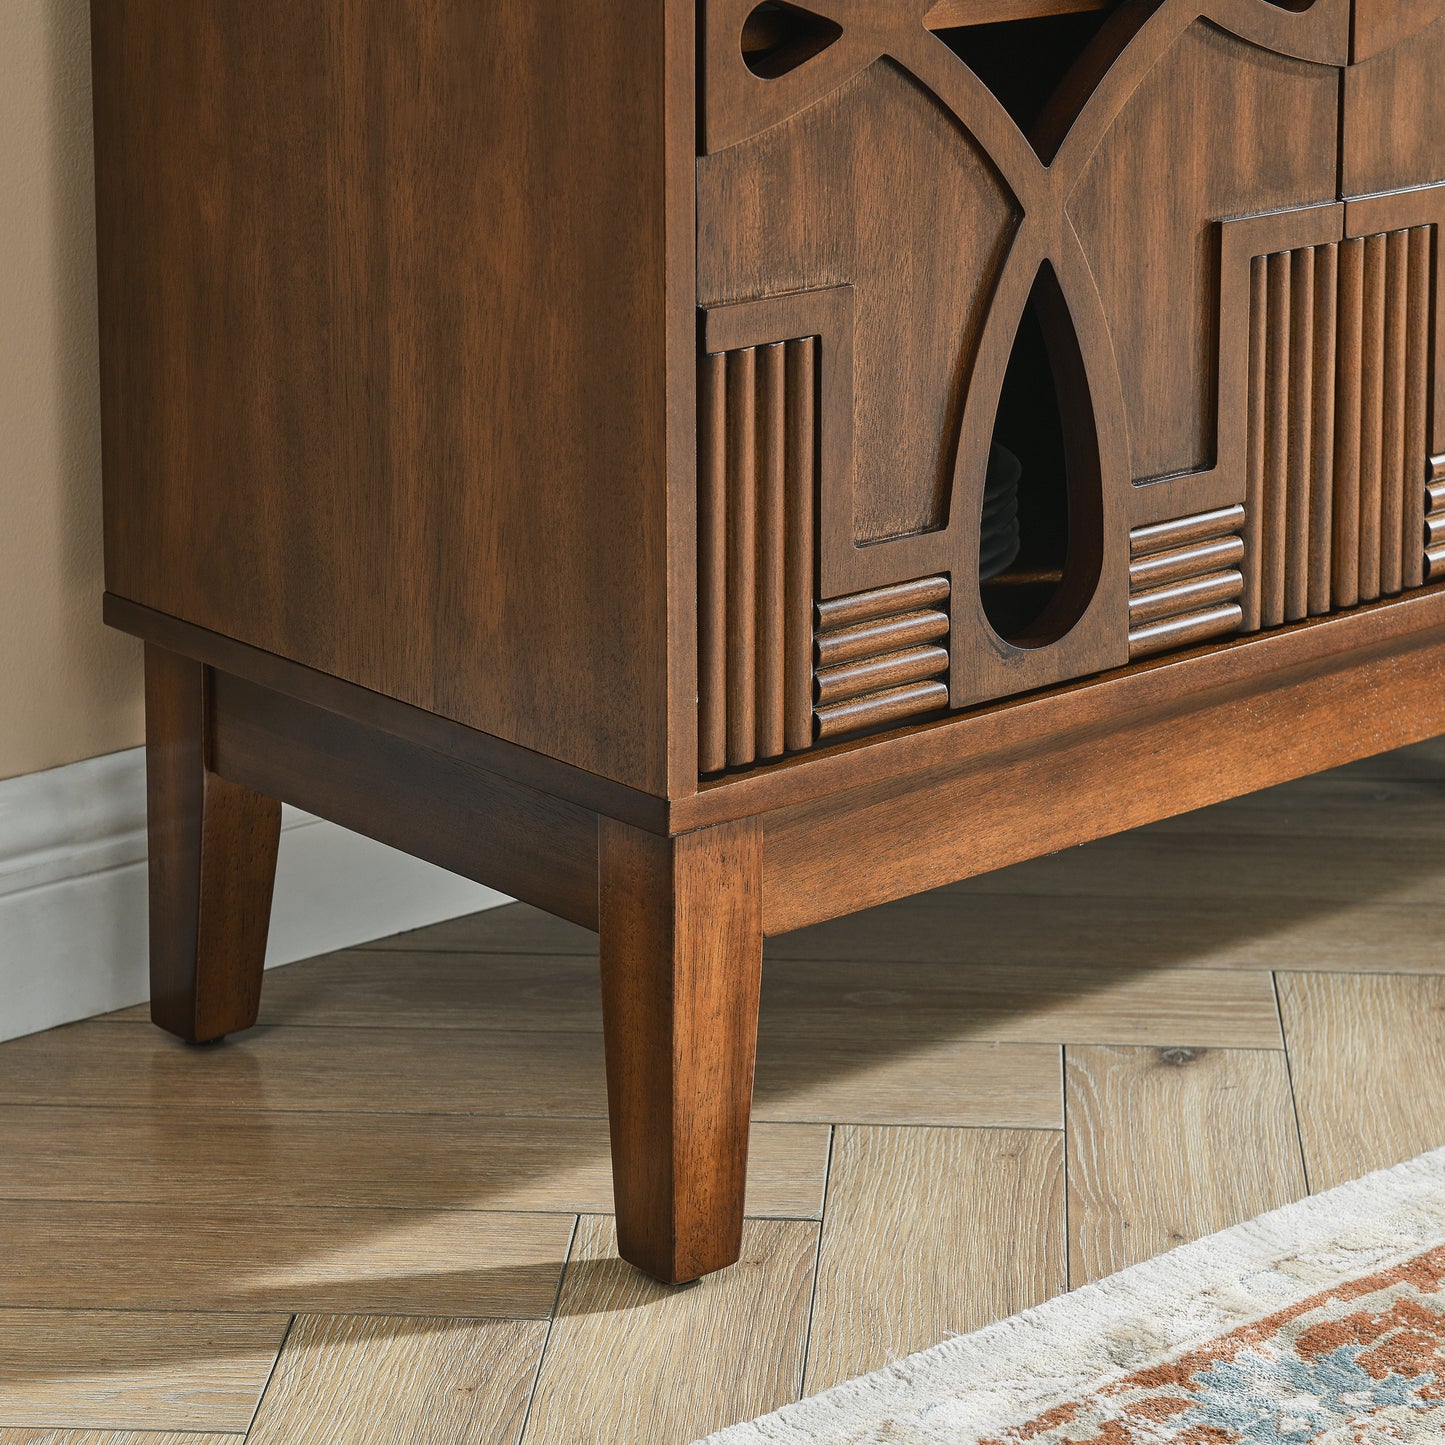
{"points": [[1319, 1324]]}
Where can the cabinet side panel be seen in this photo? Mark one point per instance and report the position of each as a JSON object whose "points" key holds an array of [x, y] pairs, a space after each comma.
{"points": [[383, 330]]}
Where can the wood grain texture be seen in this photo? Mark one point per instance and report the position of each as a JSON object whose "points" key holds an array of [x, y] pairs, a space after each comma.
{"points": [[880, 635], [1167, 374], [416, 1161], [772, 544], [1379, 27], [878, 1012], [1372, 413], [442, 988], [850, 188], [1256, 445], [1351, 639], [890, 669], [421, 255], [1190, 594], [1345, 557], [1353, 648], [638, 1384], [19, 1436], [1395, 401], [1010, 967], [1184, 577], [1413, 463], [877, 662], [712, 571], [1325, 304], [757, 465], [1394, 111], [536, 1073], [106, 1254], [876, 709], [354, 1379], [212, 846], [1166, 1145], [387, 715], [1153, 569], [1227, 865], [801, 464], [1017, 1002], [1299, 466], [517, 839], [133, 1370], [942, 1080], [1410, 770], [1355, 933], [469, 492], [742, 553], [1297, 901], [1344, 388], [681, 955], [919, 594], [969, 818], [1185, 631], [1364, 1053], [931, 1232], [1176, 532]]}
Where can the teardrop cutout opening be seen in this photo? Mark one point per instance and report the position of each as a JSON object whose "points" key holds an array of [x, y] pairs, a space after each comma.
{"points": [[779, 37], [1040, 544]]}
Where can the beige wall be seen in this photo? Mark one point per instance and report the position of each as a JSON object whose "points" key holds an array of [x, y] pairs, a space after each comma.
{"points": [[68, 687]]}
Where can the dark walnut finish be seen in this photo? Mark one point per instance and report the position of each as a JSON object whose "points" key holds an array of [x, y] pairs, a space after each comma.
{"points": [[709, 469], [213, 844], [681, 922]]}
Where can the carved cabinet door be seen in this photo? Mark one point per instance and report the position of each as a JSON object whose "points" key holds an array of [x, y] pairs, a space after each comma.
{"points": [[1033, 343]]}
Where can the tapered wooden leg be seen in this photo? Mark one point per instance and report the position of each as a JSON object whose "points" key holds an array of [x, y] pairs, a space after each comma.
{"points": [[682, 947], [212, 864]]}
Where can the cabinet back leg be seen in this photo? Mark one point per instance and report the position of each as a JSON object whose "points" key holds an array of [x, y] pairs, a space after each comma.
{"points": [[682, 947], [212, 864]]}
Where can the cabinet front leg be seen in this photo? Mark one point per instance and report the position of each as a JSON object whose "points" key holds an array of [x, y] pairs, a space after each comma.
{"points": [[682, 950], [212, 864]]}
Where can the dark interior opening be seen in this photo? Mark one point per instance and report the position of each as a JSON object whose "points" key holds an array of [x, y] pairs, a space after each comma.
{"points": [[1030, 428], [1023, 62], [778, 37]]}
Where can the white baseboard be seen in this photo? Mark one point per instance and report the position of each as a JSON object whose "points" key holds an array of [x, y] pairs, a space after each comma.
{"points": [[73, 892]]}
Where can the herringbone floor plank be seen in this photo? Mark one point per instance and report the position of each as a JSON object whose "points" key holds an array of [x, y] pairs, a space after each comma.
{"points": [[966, 1101]]}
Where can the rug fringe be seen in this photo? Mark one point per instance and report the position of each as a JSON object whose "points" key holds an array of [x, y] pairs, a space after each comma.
{"points": [[978, 1384]]}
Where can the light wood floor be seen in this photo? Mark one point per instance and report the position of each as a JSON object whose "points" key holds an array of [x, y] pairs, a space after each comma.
{"points": [[383, 1215]]}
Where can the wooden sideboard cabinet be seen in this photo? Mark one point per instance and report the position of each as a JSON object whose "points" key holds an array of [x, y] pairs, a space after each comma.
{"points": [[709, 468]]}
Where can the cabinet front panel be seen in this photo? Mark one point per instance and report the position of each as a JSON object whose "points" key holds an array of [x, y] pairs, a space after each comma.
{"points": [[879, 187], [1100, 365], [1394, 106], [1145, 209]]}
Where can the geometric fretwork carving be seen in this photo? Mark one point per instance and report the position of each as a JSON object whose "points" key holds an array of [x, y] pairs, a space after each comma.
{"points": [[775, 670]]}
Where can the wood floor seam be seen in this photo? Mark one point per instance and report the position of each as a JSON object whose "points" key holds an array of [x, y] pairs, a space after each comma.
{"points": [[260, 1399], [551, 1322], [817, 1263], [1293, 1096]]}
